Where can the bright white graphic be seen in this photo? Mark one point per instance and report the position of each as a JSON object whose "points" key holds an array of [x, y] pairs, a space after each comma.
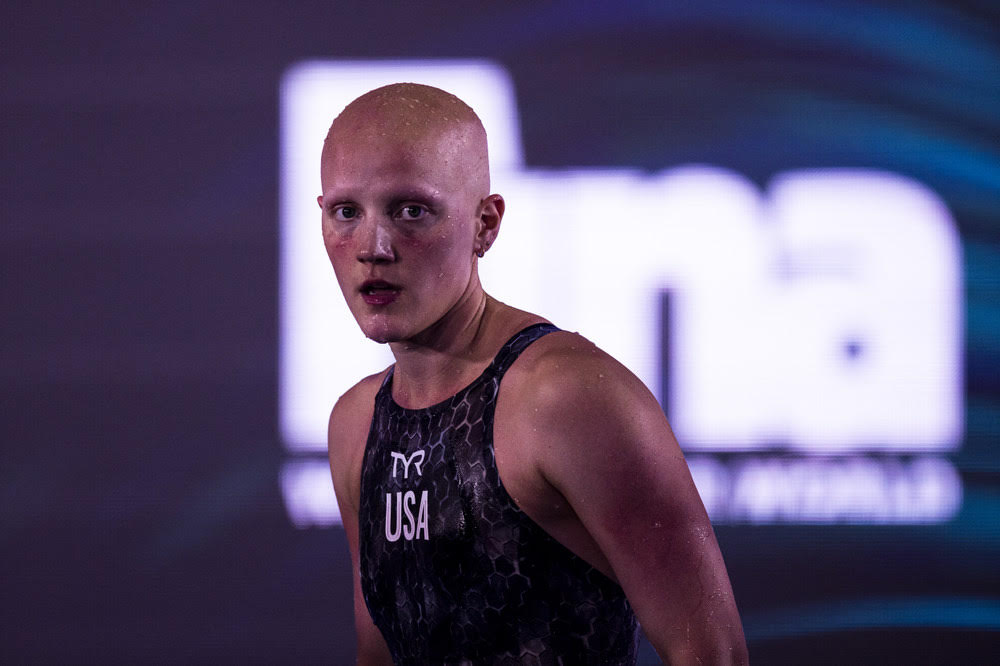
{"points": [[821, 316], [406, 460], [411, 527]]}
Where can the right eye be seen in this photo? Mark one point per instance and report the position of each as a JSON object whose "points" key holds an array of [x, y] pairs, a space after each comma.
{"points": [[345, 213]]}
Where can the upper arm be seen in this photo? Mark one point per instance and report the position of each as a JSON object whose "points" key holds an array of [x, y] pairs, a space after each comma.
{"points": [[605, 445], [346, 436]]}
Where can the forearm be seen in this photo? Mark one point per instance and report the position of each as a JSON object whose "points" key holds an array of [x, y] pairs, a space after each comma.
{"points": [[690, 615], [719, 644], [709, 631]]}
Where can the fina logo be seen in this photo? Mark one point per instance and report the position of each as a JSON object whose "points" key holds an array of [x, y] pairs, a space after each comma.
{"points": [[805, 341]]}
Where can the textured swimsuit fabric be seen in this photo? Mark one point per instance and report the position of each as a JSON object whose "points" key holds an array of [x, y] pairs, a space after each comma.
{"points": [[460, 575]]}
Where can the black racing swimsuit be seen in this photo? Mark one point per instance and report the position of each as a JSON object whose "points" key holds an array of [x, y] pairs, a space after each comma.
{"points": [[452, 571]]}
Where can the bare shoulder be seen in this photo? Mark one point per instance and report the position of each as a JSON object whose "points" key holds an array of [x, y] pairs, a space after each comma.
{"points": [[587, 423], [567, 377], [356, 405], [347, 432]]}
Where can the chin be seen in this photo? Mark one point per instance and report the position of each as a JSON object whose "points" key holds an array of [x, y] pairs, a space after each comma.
{"points": [[379, 338], [381, 331], [377, 334]]}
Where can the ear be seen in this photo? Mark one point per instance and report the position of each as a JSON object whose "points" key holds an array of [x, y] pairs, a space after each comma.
{"points": [[319, 200], [490, 213]]}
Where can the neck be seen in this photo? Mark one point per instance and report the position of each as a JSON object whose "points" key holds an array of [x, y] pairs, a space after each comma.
{"points": [[446, 357]]}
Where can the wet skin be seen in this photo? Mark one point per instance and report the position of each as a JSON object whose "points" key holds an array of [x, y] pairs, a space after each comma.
{"points": [[580, 444], [403, 216]]}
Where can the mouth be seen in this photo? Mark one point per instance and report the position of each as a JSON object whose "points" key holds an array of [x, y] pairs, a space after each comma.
{"points": [[378, 292]]}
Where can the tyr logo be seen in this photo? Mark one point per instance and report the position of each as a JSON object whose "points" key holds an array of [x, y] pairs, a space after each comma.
{"points": [[413, 458]]}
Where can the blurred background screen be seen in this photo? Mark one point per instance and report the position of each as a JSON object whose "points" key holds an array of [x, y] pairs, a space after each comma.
{"points": [[783, 216]]}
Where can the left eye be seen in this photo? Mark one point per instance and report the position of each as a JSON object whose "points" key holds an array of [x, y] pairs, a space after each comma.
{"points": [[413, 212]]}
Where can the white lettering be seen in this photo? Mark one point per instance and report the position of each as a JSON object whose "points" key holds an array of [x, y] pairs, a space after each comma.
{"points": [[390, 534], [406, 526], [408, 499], [754, 490], [399, 457], [821, 316], [851, 489], [808, 317], [422, 522]]}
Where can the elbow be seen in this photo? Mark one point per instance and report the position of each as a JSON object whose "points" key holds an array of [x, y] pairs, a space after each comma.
{"points": [[737, 653], [731, 651], [726, 647]]}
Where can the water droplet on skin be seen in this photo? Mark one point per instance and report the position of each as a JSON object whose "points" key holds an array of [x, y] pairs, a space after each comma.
{"points": [[657, 524], [600, 375]]}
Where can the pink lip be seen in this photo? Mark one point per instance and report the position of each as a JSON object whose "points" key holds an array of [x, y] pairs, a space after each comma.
{"points": [[378, 292]]}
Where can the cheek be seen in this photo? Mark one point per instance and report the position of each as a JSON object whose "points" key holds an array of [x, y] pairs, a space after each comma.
{"points": [[450, 242], [340, 252], [425, 249], [414, 243], [337, 245], [444, 253]]}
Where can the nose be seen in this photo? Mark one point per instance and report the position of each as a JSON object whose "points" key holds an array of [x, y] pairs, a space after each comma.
{"points": [[376, 244]]}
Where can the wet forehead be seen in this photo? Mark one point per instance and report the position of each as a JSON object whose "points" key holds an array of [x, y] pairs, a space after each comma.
{"points": [[368, 157], [429, 137]]}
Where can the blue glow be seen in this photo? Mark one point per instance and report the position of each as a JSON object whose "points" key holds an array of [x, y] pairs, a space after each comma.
{"points": [[845, 615]]}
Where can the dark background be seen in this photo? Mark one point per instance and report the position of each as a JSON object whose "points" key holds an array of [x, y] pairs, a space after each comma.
{"points": [[139, 505]]}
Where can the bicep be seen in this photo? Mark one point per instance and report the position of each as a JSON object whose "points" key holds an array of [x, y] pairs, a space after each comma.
{"points": [[614, 458]]}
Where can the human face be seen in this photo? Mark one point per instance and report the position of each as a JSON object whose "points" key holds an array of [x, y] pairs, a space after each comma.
{"points": [[400, 220]]}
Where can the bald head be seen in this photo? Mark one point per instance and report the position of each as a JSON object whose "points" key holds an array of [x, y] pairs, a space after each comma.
{"points": [[415, 119], [406, 201]]}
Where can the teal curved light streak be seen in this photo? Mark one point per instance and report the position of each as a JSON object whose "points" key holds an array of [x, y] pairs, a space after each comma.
{"points": [[923, 612], [929, 39]]}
